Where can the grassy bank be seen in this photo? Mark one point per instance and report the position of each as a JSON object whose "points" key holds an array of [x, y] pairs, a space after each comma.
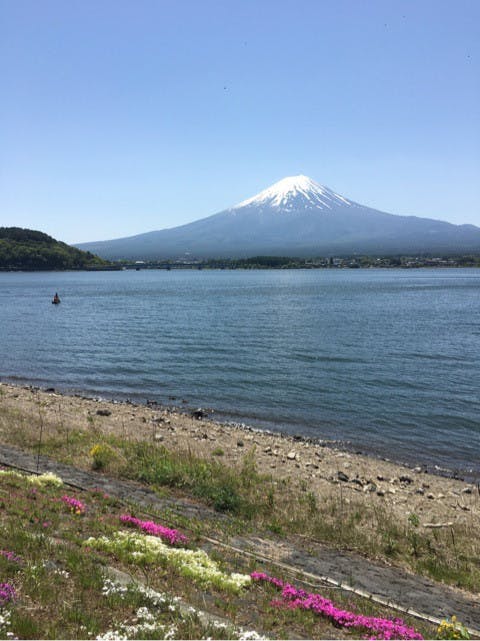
{"points": [[78, 569]]}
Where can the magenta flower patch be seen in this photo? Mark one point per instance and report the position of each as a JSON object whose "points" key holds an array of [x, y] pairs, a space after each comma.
{"points": [[165, 533], [7, 593], [294, 598], [76, 506], [11, 556]]}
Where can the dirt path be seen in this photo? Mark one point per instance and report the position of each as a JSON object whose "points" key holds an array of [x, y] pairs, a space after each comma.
{"points": [[390, 584]]}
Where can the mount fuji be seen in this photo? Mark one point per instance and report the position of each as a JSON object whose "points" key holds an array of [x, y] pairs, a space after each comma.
{"points": [[295, 217]]}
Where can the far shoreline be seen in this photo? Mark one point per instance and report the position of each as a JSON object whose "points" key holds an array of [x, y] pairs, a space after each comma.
{"points": [[242, 269]]}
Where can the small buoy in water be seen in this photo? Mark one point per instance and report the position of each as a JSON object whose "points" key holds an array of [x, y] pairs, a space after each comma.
{"points": [[56, 299]]}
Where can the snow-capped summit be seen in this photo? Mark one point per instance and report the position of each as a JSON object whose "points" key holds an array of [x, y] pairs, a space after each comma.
{"points": [[296, 193]]}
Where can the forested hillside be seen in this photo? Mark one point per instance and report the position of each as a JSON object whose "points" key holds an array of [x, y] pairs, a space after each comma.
{"points": [[26, 249]]}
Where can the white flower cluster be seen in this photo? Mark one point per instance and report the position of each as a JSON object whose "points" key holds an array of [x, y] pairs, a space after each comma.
{"points": [[195, 564], [112, 635], [144, 614], [251, 635], [34, 571], [111, 587], [144, 621], [41, 480], [5, 621], [49, 478], [49, 566], [11, 474], [158, 599]]}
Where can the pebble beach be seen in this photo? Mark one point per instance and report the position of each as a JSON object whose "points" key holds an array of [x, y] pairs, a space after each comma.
{"points": [[314, 467]]}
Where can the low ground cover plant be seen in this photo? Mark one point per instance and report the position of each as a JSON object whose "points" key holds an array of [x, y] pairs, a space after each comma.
{"points": [[55, 587], [7, 593], [452, 629], [167, 534], [54, 570], [293, 598], [76, 506], [48, 478], [194, 564]]}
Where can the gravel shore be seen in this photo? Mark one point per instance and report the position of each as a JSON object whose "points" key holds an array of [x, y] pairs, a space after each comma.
{"points": [[312, 467]]}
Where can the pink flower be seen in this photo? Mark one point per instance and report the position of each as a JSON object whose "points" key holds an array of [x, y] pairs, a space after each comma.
{"points": [[7, 593], [261, 576], [76, 506], [165, 533], [294, 598], [11, 556]]}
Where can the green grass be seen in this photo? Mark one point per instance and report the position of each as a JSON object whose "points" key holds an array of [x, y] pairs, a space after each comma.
{"points": [[63, 589], [60, 584], [256, 501]]}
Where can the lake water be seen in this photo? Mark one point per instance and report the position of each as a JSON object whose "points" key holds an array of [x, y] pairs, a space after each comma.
{"points": [[385, 360]]}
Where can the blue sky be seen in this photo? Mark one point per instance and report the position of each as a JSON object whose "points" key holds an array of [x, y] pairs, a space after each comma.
{"points": [[120, 117]]}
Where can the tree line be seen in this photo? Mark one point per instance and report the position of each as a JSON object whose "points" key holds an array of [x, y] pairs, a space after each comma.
{"points": [[31, 250]]}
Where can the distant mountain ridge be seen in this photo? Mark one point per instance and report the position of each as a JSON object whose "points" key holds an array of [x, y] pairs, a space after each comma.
{"points": [[297, 217], [31, 250]]}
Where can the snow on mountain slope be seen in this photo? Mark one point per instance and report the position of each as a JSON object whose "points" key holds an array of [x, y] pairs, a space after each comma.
{"points": [[296, 193]]}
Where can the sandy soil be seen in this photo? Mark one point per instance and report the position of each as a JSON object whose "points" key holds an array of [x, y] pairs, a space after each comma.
{"points": [[321, 470]]}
